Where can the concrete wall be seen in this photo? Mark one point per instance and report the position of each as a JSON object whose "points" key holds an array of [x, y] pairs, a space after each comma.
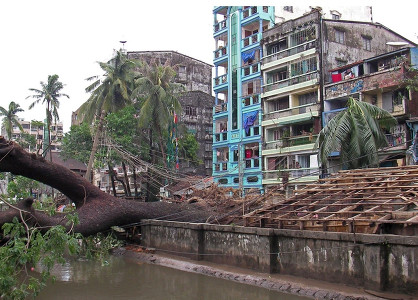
{"points": [[378, 262]]}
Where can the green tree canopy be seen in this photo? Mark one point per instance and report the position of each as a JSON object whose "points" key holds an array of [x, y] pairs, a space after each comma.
{"points": [[158, 96], [77, 143], [10, 118], [108, 94], [357, 133]]}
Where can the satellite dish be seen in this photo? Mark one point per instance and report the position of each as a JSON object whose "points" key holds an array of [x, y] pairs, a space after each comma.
{"points": [[397, 43]]}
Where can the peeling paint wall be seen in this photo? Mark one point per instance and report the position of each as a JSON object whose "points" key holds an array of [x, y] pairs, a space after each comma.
{"points": [[378, 262]]}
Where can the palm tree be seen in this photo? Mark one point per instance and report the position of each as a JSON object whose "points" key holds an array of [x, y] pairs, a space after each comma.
{"points": [[10, 118], [159, 99], [108, 94], [49, 93], [357, 133], [39, 126]]}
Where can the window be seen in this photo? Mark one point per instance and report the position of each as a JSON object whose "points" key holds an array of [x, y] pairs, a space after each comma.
{"points": [[303, 66], [335, 16], [339, 36], [190, 111], [367, 44]]}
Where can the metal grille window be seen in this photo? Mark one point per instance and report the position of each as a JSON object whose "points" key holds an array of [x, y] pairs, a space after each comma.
{"points": [[304, 66], [303, 36], [339, 36], [190, 111]]}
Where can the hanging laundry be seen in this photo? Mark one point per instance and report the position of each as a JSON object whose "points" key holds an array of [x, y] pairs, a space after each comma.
{"points": [[248, 56], [249, 120]]}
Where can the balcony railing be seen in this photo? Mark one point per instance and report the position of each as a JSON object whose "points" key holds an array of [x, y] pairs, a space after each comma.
{"points": [[221, 80], [248, 12], [290, 173], [289, 51], [251, 69], [291, 141], [290, 81], [291, 111], [220, 52], [220, 136], [219, 26], [220, 108], [253, 130], [250, 100], [250, 40], [252, 162], [221, 166], [396, 139]]}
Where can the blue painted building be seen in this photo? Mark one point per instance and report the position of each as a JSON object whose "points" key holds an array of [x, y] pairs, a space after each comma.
{"points": [[237, 116]]}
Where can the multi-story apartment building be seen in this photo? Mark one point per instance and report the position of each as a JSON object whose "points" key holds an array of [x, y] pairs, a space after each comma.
{"points": [[378, 80], [237, 87], [297, 55], [38, 130]]}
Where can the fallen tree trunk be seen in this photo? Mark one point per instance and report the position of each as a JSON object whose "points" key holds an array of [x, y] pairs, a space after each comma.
{"points": [[97, 210]]}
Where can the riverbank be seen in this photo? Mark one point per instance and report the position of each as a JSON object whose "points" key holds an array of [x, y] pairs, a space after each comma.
{"points": [[312, 289]]}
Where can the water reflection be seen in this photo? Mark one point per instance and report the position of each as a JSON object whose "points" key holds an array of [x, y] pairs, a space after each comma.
{"points": [[123, 279]]}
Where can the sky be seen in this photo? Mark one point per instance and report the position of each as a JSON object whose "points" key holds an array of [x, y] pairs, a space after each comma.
{"points": [[68, 38]]}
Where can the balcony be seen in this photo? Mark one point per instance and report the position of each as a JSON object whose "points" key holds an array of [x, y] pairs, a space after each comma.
{"points": [[218, 27], [288, 52], [290, 81], [293, 175], [250, 70], [292, 113], [248, 12], [220, 108], [250, 100], [220, 80], [252, 163], [291, 141], [221, 52], [220, 137], [251, 40], [221, 166], [253, 131]]}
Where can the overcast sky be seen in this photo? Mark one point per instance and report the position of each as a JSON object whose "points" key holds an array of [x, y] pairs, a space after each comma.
{"points": [[45, 37]]}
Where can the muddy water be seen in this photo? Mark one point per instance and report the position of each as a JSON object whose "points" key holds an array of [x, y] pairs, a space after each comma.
{"points": [[124, 279]]}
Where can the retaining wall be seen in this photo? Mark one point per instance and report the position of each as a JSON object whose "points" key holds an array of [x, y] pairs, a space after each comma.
{"points": [[377, 262]]}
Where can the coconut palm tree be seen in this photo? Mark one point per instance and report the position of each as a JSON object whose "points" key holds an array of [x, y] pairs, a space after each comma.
{"points": [[357, 133], [49, 93], [159, 102], [108, 94], [10, 118]]}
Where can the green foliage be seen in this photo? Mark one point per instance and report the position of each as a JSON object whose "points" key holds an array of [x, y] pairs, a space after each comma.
{"points": [[21, 187], [357, 133], [27, 141], [10, 118], [189, 148], [27, 250], [77, 143], [28, 256], [98, 246]]}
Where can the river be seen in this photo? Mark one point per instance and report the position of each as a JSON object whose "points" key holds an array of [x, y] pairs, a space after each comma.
{"points": [[126, 279]]}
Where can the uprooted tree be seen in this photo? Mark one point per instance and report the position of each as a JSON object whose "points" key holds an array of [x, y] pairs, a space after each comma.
{"points": [[97, 211]]}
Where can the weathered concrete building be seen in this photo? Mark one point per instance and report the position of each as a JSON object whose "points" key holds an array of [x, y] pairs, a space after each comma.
{"points": [[197, 103], [297, 55], [378, 80]]}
